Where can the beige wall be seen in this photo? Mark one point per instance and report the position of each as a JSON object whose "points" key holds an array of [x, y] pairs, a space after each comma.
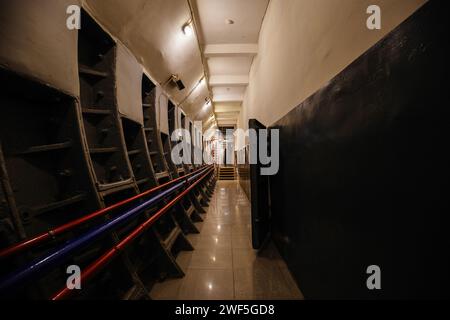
{"points": [[162, 103], [305, 43], [151, 30], [34, 40], [129, 84]]}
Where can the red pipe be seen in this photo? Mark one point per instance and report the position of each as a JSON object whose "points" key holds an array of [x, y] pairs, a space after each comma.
{"points": [[113, 252], [26, 244]]}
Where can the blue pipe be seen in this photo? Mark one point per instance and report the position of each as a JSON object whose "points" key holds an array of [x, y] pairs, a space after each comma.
{"points": [[61, 254]]}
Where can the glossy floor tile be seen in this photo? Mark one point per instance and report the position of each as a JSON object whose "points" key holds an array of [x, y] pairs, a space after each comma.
{"points": [[207, 284], [212, 258], [223, 265]]}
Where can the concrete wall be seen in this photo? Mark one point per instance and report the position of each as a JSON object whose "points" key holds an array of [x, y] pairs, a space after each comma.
{"points": [[34, 40], [303, 44]]}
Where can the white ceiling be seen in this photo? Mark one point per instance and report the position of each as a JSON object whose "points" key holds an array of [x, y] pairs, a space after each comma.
{"points": [[228, 94], [228, 90], [246, 14], [152, 30], [229, 65], [229, 49]]}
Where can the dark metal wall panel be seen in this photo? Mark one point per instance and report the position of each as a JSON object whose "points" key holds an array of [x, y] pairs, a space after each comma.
{"points": [[364, 172], [244, 171]]}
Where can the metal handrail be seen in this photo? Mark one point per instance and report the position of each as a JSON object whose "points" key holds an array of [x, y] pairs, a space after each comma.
{"points": [[56, 256], [51, 234], [107, 257]]}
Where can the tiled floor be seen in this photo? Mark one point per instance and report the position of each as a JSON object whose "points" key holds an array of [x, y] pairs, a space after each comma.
{"points": [[224, 266]]}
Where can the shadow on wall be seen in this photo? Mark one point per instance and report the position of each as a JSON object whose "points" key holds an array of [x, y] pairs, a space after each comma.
{"points": [[364, 175], [244, 171]]}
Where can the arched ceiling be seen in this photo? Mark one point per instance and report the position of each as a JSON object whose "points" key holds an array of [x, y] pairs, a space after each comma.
{"points": [[223, 52], [152, 30]]}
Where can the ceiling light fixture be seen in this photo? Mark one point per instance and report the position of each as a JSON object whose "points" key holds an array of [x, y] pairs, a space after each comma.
{"points": [[187, 28], [175, 79], [207, 103]]}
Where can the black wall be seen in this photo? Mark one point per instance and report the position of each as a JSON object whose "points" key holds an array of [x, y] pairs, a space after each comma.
{"points": [[364, 175]]}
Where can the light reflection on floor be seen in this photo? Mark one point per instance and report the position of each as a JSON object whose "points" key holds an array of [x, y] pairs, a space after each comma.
{"points": [[224, 266]]}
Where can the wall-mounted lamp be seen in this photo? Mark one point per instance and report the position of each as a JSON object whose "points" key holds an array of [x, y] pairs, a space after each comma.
{"points": [[187, 28], [207, 104], [177, 82]]}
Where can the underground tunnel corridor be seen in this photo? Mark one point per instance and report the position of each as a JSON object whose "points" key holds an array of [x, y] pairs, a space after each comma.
{"points": [[219, 151]]}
